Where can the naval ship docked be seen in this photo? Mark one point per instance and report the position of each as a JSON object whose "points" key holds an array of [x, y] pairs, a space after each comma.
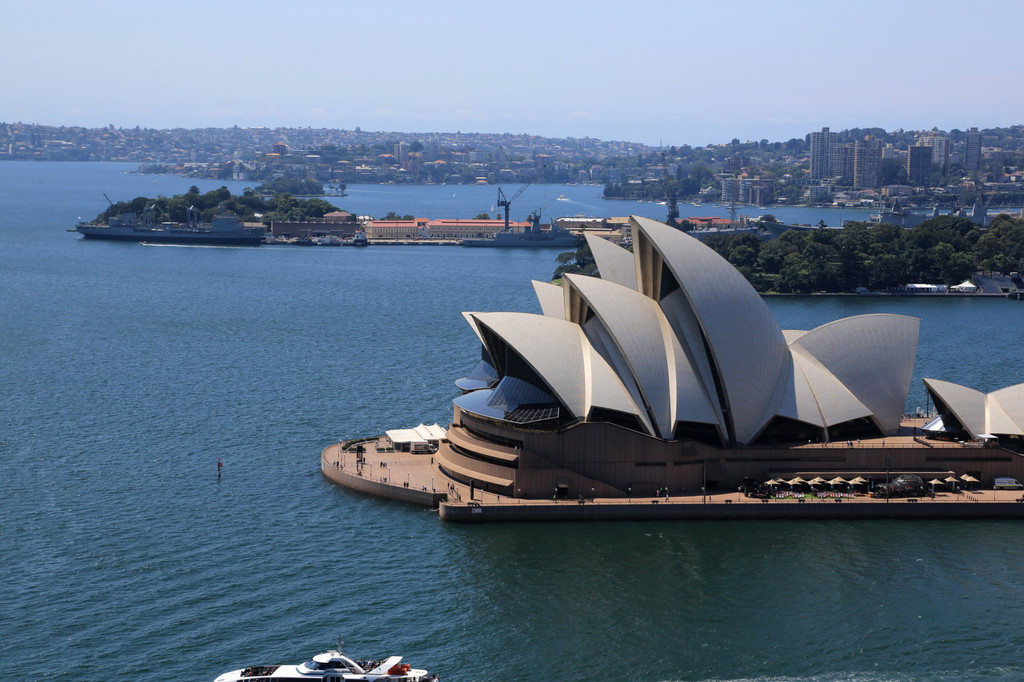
{"points": [[223, 230]]}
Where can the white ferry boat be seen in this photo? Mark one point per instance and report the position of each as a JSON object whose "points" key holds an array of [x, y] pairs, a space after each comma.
{"points": [[331, 666]]}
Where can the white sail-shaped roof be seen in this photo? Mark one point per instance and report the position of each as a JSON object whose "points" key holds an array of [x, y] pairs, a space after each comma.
{"points": [[551, 298], [614, 263], [1006, 411], [560, 354], [792, 335], [654, 358], [1000, 413], [673, 335], [798, 401], [747, 350], [966, 404], [820, 398], [472, 323], [872, 356]]}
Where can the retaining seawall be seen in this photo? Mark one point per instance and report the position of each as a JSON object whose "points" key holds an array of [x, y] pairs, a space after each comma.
{"points": [[720, 511], [332, 466]]}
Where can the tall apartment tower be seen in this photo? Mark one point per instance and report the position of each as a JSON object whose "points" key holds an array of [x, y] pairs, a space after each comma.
{"points": [[919, 165], [401, 151], [972, 154], [730, 188], [867, 163], [940, 149], [822, 145], [842, 163]]}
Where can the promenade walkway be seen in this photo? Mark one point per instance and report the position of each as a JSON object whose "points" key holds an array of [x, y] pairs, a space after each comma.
{"points": [[415, 478]]}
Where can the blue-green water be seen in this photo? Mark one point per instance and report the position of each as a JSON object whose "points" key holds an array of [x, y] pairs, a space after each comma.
{"points": [[127, 370]]}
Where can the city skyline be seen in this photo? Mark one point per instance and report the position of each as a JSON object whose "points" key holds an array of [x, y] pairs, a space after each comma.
{"points": [[663, 73]]}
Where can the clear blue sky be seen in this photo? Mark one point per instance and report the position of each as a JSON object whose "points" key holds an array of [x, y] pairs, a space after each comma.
{"points": [[669, 71]]}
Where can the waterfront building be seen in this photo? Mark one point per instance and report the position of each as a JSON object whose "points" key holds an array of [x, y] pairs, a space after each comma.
{"points": [[667, 368], [822, 145], [395, 229], [817, 194], [340, 224], [758, 191], [730, 188], [444, 229], [456, 229]]}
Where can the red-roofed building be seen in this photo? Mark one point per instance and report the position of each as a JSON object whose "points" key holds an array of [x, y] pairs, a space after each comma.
{"points": [[455, 228], [442, 229], [394, 229], [710, 222]]}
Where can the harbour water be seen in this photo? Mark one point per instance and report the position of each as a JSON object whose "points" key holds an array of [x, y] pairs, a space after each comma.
{"points": [[556, 201], [128, 370]]}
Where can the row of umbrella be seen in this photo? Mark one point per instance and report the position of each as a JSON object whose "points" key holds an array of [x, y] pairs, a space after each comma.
{"points": [[839, 480], [817, 480]]}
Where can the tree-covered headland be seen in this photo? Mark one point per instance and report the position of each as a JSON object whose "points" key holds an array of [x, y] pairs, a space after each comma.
{"points": [[249, 207], [943, 250]]}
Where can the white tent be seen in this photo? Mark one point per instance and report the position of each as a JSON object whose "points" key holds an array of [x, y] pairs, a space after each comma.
{"points": [[965, 285], [419, 439]]}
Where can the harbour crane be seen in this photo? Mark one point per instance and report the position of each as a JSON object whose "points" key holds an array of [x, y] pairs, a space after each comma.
{"points": [[503, 202]]}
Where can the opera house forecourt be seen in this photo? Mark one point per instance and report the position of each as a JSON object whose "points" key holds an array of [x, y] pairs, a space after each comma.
{"points": [[667, 379]]}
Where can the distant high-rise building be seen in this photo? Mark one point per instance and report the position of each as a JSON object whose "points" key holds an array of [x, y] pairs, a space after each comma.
{"points": [[755, 191], [940, 148], [401, 151], [730, 188], [867, 163], [972, 153], [822, 145], [919, 164], [842, 163]]}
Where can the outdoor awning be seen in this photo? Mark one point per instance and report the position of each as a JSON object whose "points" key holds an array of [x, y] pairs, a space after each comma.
{"points": [[418, 434]]}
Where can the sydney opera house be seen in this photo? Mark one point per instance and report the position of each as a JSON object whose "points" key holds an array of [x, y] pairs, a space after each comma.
{"points": [[668, 371]]}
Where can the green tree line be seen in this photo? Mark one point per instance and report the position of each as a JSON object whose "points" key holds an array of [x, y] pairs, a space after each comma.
{"points": [[299, 187], [943, 250], [250, 207]]}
